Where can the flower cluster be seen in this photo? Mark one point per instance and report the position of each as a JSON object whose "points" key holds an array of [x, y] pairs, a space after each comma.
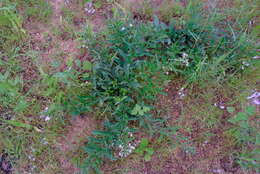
{"points": [[44, 116], [255, 98], [126, 150], [89, 9], [220, 105], [185, 59], [124, 28], [181, 93], [245, 64]]}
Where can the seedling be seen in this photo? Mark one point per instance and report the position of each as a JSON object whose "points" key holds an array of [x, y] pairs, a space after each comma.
{"points": [[140, 110], [144, 149]]}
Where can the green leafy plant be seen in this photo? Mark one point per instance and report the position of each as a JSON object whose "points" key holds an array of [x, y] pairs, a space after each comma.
{"points": [[140, 110], [143, 149], [36, 10], [243, 130], [131, 59], [247, 137]]}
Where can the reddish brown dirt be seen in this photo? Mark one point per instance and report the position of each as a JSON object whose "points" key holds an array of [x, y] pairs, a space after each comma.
{"points": [[80, 128], [48, 43]]}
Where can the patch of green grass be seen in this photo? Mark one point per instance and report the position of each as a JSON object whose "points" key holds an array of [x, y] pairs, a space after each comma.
{"points": [[140, 9], [246, 135], [68, 14], [25, 134], [203, 109], [11, 30], [169, 10], [39, 10]]}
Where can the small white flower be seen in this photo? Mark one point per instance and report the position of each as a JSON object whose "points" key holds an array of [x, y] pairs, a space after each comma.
{"points": [[31, 158], [120, 154], [218, 171], [123, 29], [255, 98], [256, 57], [47, 118], [184, 55], [67, 2], [254, 95], [256, 101], [222, 107], [181, 93], [245, 63], [89, 8], [132, 147], [130, 25], [44, 141]]}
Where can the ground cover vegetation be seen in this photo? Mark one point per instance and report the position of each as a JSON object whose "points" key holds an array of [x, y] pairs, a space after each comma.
{"points": [[153, 79]]}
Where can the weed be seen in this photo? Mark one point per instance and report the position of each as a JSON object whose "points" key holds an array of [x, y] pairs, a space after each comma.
{"points": [[170, 9], [143, 149], [12, 31], [36, 10], [246, 135], [140, 9], [131, 59]]}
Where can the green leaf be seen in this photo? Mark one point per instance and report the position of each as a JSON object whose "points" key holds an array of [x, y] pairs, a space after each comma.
{"points": [[239, 117], [244, 124], [150, 151], [87, 65], [135, 110], [139, 151], [4, 21], [156, 21], [98, 4], [56, 64], [144, 142], [69, 62], [250, 110], [102, 133], [18, 124], [257, 141], [78, 63], [147, 157], [146, 109], [140, 110], [21, 106], [230, 109]]}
